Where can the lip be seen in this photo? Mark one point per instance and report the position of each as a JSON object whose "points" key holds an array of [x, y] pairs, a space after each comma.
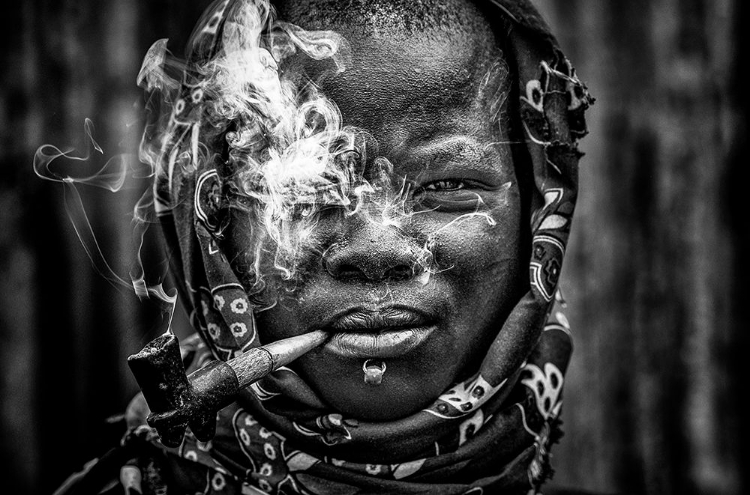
{"points": [[384, 333]]}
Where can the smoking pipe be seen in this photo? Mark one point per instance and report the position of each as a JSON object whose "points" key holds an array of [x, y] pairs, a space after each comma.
{"points": [[178, 401]]}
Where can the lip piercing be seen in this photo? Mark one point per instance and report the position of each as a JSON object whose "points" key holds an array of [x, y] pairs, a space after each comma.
{"points": [[374, 371]]}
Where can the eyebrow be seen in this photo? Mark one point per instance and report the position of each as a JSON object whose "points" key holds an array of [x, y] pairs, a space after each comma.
{"points": [[446, 150]]}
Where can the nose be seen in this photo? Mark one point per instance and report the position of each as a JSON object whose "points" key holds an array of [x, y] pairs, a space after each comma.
{"points": [[371, 252]]}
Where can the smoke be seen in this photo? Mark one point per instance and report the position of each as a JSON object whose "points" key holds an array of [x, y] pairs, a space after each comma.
{"points": [[112, 176], [284, 155]]}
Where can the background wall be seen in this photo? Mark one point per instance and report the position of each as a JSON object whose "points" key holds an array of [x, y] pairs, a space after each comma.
{"points": [[653, 275], [655, 267]]}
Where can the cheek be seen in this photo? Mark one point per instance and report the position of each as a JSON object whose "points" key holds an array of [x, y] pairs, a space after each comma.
{"points": [[473, 250], [484, 275], [484, 272]]}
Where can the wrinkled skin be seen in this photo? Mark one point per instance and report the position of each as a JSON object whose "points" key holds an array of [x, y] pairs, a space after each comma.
{"points": [[419, 96]]}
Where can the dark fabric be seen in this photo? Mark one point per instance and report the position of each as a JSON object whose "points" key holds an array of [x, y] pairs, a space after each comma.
{"points": [[503, 445], [490, 433]]}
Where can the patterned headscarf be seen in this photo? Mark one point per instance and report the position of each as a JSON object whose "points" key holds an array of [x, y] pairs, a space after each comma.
{"points": [[489, 433]]}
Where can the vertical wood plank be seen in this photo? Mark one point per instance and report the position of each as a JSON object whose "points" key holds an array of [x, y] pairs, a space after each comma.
{"points": [[649, 395]]}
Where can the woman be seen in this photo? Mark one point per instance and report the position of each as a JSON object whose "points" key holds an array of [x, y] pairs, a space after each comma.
{"points": [[384, 171]]}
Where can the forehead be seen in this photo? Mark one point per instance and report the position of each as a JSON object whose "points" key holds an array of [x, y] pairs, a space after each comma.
{"points": [[398, 75], [404, 83]]}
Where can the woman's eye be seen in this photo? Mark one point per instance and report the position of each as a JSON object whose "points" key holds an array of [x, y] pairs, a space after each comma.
{"points": [[448, 195], [445, 185]]}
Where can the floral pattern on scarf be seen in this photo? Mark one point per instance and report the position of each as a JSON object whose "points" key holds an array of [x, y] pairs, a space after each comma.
{"points": [[492, 432]]}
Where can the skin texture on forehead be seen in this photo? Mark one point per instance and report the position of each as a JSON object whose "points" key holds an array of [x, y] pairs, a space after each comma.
{"points": [[385, 15], [459, 21], [437, 51]]}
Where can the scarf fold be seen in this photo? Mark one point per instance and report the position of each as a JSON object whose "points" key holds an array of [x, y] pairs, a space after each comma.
{"points": [[489, 433]]}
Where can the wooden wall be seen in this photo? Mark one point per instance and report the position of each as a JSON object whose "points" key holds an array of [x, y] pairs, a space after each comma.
{"points": [[654, 268], [653, 398], [65, 331]]}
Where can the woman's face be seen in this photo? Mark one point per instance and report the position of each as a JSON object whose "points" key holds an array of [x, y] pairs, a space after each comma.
{"points": [[423, 100]]}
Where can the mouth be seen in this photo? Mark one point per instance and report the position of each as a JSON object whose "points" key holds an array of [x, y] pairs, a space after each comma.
{"points": [[385, 333]]}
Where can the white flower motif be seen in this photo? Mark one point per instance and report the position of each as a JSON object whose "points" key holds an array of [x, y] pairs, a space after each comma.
{"points": [[214, 331], [218, 302], [534, 95], [269, 451], [197, 95], [238, 329], [373, 469], [264, 433], [245, 437], [265, 486], [218, 482], [266, 470], [239, 306]]}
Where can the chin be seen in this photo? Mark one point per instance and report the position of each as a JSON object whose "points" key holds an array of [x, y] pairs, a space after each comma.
{"points": [[410, 383], [389, 403]]}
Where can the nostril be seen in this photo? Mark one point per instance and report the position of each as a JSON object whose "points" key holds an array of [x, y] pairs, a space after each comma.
{"points": [[347, 272], [399, 273], [370, 253], [352, 272]]}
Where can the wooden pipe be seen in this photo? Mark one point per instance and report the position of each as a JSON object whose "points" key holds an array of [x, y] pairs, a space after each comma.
{"points": [[178, 401]]}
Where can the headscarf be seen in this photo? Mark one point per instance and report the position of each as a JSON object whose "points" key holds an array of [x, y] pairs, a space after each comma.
{"points": [[490, 433]]}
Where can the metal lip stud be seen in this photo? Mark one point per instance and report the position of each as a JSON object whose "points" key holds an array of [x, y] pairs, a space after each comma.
{"points": [[374, 370]]}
